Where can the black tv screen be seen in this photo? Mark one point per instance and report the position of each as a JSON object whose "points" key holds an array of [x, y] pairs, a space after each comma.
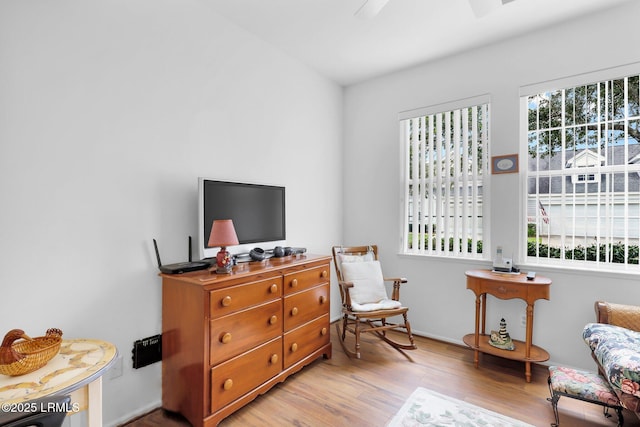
{"points": [[257, 211]]}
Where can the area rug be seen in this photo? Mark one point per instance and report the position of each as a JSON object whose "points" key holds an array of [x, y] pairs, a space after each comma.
{"points": [[428, 408]]}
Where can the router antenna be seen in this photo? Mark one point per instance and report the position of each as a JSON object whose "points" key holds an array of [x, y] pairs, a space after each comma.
{"points": [[155, 245], [189, 248]]}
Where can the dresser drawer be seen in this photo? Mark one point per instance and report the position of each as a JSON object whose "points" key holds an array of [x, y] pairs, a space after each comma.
{"points": [[233, 378], [235, 298], [304, 279], [301, 307], [300, 342], [236, 333]]}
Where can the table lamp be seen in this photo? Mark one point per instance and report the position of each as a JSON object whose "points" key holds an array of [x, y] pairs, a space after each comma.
{"points": [[223, 234]]}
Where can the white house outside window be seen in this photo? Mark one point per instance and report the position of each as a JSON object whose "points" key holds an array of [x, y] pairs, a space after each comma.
{"points": [[583, 184], [445, 152], [585, 159]]}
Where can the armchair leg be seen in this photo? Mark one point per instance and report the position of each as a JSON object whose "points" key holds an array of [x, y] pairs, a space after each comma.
{"points": [[554, 404], [620, 418]]}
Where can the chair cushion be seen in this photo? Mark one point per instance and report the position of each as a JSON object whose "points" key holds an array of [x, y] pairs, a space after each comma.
{"points": [[344, 258], [582, 384], [385, 304], [616, 349], [367, 279]]}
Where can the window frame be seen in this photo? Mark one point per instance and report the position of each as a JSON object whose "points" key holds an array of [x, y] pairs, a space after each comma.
{"points": [[404, 180], [595, 77]]}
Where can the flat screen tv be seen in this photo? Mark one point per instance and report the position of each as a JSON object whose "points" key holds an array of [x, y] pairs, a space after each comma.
{"points": [[257, 211]]}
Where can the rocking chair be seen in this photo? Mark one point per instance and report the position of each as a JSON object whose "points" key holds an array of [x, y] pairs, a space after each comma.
{"points": [[365, 305]]}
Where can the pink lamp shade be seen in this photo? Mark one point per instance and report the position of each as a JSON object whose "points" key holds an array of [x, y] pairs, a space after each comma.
{"points": [[223, 233]]}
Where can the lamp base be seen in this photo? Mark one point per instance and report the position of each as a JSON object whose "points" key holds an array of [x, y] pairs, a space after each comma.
{"points": [[223, 261], [223, 270]]}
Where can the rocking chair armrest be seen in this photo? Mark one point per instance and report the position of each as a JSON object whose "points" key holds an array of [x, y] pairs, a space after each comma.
{"points": [[344, 293], [345, 285], [395, 294], [395, 279]]}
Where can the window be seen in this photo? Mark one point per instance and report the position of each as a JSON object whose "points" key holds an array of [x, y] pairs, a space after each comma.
{"points": [[583, 182], [586, 158], [446, 158]]}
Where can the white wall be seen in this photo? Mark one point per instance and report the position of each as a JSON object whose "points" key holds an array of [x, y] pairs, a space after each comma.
{"points": [[109, 111], [440, 305]]}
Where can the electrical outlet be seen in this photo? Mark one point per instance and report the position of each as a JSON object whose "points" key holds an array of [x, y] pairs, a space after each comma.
{"points": [[523, 321]]}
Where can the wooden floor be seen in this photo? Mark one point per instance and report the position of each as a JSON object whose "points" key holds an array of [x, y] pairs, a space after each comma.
{"points": [[368, 392]]}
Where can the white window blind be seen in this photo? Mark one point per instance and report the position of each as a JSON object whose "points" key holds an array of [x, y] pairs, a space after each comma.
{"points": [[446, 158], [583, 175]]}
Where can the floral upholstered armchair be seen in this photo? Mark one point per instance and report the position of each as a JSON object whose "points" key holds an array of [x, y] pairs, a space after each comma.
{"points": [[614, 341]]}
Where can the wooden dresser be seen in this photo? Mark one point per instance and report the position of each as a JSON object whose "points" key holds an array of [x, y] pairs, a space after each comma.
{"points": [[228, 338]]}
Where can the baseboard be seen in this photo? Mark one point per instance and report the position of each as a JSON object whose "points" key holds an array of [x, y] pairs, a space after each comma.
{"points": [[421, 334], [135, 414], [438, 338]]}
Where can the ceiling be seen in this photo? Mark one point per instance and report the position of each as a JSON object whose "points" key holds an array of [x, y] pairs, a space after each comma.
{"points": [[329, 37]]}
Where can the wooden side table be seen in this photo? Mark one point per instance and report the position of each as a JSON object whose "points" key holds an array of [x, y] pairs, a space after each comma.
{"points": [[76, 370], [506, 286]]}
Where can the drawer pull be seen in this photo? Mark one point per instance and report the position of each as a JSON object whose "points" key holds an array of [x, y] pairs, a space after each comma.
{"points": [[228, 384], [323, 332], [323, 299], [226, 338], [273, 319], [294, 283], [274, 359], [274, 288], [294, 347], [226, 301], [294, 311], [324, 274]]}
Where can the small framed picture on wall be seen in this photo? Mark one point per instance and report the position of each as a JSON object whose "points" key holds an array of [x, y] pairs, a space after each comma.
{"points": [[504, 164]]}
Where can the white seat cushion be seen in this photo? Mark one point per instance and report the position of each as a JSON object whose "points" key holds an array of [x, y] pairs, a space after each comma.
{"points": [[368, 282], [385, 304]]}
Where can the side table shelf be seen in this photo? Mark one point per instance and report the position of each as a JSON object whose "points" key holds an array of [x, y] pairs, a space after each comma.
{"points": [[506, 286], [538, 354]]}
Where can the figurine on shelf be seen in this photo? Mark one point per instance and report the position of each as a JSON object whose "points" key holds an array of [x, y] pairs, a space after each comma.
{"points": [[501, 339]]}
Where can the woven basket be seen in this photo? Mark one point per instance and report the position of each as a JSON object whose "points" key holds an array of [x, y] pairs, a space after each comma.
{"points": [[36, 351]]}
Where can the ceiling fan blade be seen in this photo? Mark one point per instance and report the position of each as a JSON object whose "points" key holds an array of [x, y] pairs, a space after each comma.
{"points": [[370, 8], [484, 7]]}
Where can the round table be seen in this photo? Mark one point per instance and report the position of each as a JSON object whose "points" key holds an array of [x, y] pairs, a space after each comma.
{"points": [[76, 370]]}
